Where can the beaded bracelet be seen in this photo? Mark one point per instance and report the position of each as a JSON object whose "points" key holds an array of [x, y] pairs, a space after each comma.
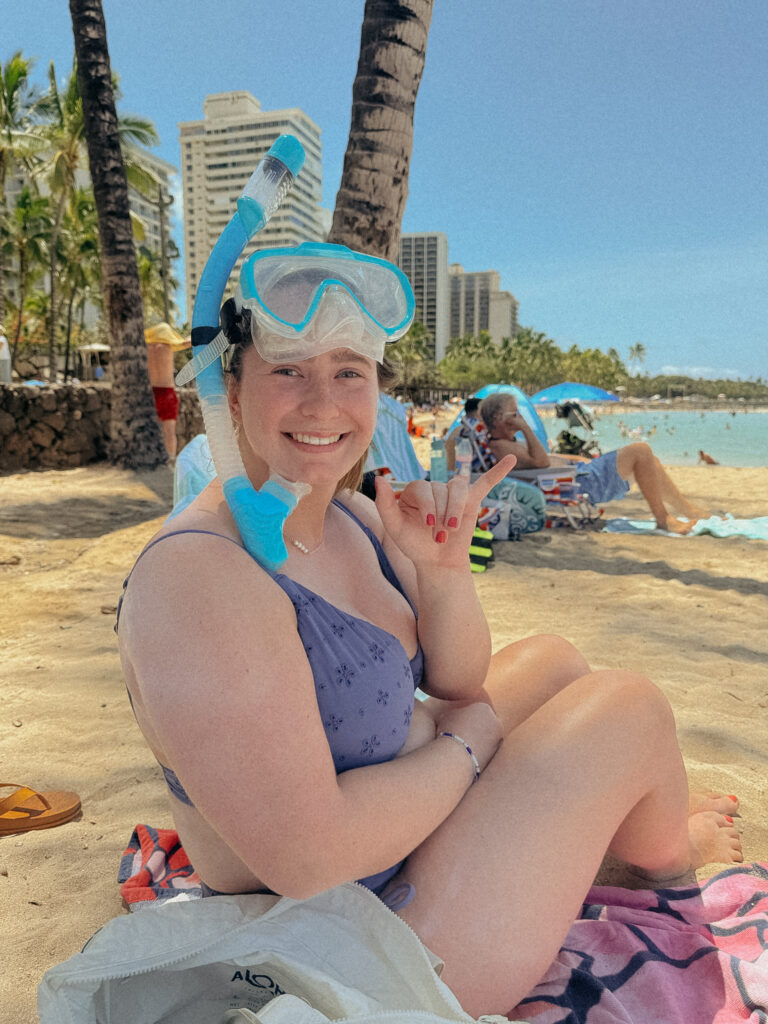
{"points": [[475, 765]]}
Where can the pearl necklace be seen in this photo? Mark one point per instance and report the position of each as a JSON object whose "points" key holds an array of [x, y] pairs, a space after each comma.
{"points": [[303, 547]]}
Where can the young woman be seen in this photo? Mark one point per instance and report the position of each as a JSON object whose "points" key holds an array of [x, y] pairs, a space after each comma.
{"points": [[280, 704]]}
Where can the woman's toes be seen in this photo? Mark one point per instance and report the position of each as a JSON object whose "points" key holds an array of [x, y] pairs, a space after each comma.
{"points": [[711, 801]]}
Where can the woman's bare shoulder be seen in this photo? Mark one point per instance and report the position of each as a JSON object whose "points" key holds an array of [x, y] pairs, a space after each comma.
{"points": [[364, 509]]}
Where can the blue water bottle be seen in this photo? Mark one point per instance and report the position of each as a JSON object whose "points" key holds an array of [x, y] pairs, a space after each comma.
{"points": [[438, 461]]}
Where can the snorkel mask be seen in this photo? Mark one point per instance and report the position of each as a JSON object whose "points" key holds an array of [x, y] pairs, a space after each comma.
{"points": [[316, 297], [303, 302]]}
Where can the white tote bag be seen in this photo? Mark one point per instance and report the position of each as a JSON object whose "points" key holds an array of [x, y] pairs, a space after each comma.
{"points": [[340, 956]]}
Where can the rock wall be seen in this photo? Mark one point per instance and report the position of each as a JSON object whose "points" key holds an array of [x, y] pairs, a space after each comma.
{"points": [[60, 426]]}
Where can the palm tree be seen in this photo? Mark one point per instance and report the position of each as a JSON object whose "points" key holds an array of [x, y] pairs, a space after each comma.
{"points": [[136, 438], [637, 354], [156, 284], [26, 231], [17, 140], [65, 131], [78, 253], [374, 182], [410, 351]]}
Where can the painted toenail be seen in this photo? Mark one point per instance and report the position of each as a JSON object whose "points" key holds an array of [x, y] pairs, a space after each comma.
{"points": [[734, 798], [729, 818]]}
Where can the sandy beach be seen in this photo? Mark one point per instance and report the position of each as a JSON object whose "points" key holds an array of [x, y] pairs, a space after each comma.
{"points": [[691, 613]]}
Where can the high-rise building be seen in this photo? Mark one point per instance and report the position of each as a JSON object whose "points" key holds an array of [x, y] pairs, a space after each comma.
{"points": [[478, 304], [147, 208], [423, 258], [218, 156]]}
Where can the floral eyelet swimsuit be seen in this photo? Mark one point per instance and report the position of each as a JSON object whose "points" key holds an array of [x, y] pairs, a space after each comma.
{"points": [[364, 680]]}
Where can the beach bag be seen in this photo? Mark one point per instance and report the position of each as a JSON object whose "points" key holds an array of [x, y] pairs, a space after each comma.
{"points": [[526, 505], [340, 956]]}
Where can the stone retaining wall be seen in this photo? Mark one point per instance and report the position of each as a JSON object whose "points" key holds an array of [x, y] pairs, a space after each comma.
{"points": [[60, 426]]}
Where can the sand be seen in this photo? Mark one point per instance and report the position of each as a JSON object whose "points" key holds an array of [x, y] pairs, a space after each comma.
{"points": [[690, 613]]}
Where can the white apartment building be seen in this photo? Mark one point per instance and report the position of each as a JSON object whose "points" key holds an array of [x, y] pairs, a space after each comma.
{"points": [[423, 258], [478, 304], [148, 208], [218, 156]]}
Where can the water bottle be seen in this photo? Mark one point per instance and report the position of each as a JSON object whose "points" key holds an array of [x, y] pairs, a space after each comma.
{"points": [[464, 458], [438, 461]]}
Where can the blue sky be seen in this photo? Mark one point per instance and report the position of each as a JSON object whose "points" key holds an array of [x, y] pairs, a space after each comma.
{"points": [[609, 158]]}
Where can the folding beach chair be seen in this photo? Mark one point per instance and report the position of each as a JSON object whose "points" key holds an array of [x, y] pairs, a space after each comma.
{"points": [[566, 504]]}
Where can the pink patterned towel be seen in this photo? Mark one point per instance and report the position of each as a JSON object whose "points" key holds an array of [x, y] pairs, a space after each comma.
{"points": [[697, 955], [692, 955]]}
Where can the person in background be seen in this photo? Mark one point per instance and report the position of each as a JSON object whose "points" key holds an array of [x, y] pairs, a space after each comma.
{"points": [[469, 422], [162, 342], [602, 479]]}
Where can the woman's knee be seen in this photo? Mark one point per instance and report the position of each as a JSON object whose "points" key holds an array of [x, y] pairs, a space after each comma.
{"points": [[630, 698]]}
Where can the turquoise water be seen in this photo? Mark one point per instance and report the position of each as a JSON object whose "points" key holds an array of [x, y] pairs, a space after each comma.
{"points": [[677, 435]]}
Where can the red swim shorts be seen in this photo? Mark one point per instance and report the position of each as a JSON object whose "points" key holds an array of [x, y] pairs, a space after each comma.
{"points": [[166, 403]]}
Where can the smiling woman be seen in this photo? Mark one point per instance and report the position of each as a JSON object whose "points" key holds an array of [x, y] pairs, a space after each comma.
{"points": [[284, 716]]}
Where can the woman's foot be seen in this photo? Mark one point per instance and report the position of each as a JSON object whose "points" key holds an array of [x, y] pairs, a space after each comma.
{"points": [[710, 801], [712, 839], [672, 525]]}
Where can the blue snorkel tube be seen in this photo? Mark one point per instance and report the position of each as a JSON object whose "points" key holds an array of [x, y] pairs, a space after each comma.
{"points": [[259, 515]]}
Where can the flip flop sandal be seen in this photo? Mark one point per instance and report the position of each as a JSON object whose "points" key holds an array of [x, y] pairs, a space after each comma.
{"points": [[25, 809]]}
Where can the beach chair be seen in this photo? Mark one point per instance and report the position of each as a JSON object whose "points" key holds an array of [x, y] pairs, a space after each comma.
{"points": [[566, 505]]}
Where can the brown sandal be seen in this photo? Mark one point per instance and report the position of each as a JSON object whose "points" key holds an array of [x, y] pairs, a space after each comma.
{"points": [[25, 809]]}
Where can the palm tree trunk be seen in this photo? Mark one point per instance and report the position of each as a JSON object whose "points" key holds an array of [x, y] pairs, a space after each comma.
{"points": [[70, 306], [136, 438], [374, 184], [52, 304], [22, 297]]}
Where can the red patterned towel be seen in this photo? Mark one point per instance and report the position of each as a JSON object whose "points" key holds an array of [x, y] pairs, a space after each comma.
{"points": [[155, 867]]}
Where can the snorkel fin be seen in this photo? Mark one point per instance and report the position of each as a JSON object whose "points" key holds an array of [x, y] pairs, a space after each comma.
{"points": [[259, 515]]}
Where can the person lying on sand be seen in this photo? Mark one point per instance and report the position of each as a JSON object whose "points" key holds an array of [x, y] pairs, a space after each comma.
{"points": [[283, 712], [605, 478]]}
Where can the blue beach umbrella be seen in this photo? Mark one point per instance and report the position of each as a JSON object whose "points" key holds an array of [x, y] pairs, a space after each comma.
{"points": [[524, 405], [570, 392]]}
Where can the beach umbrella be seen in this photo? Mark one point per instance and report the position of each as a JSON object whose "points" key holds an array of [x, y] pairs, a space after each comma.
{"points": [[524, 405], [568, 391]]}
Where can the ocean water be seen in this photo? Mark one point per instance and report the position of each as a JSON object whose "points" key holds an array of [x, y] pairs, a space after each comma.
{"points": [[739, 439]]}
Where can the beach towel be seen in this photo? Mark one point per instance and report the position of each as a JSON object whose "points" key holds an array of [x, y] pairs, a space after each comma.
{"points": [[155, 868], [693, 953], [754, 529]]}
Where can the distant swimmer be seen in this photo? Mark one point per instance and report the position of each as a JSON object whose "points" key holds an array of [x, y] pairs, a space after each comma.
{"points": [[703, 457]]}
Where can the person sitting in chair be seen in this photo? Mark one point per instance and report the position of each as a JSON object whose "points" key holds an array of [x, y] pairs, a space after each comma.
{"points": [[470, 426], [605, 478]]}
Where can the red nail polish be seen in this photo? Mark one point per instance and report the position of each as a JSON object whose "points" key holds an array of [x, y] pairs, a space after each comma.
{"points": [[430, 520], [734, 798], [442, 537], [453, 521], [729, 819]]}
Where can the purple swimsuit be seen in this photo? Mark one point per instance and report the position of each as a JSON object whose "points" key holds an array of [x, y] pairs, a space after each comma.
{"points": [[364, 680]]}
